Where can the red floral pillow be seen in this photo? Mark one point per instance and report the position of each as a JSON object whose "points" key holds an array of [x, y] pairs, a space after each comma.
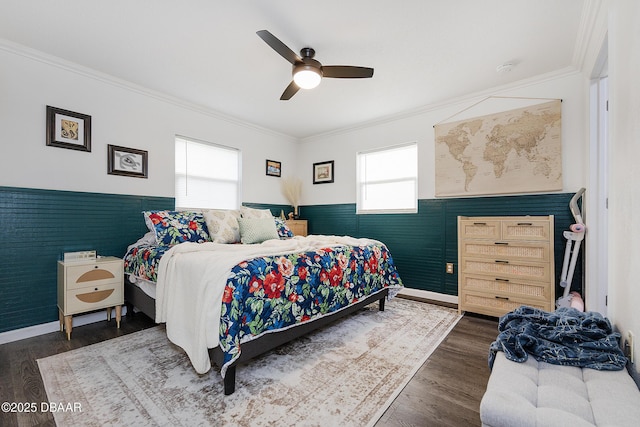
{"points": [[174, 227]]}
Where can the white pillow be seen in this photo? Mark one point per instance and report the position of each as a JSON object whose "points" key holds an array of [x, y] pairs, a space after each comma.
{"points": [[257, 230], [255, 213], [223, 225]]}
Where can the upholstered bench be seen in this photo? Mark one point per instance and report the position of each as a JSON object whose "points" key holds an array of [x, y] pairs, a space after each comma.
{"points": [[536, 393]]}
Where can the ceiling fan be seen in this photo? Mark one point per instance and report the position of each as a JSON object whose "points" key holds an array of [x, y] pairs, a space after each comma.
{"points": [[307, 72]]}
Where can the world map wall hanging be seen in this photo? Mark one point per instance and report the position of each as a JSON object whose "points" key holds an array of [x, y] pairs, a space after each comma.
{"points": [[514, 151]]}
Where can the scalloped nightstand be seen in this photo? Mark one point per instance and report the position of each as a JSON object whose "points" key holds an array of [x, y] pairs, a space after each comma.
{"points": [[84, 287]]}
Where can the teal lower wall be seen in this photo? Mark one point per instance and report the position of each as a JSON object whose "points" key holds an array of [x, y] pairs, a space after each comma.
{"points": [[38, 226], [421, 244]]}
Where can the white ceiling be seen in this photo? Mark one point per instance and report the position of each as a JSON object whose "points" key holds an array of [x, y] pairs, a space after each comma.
{"points": [[207, 53]]}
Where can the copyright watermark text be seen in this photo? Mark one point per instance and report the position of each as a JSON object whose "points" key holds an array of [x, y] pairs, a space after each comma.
{"points": [[25, 407]]}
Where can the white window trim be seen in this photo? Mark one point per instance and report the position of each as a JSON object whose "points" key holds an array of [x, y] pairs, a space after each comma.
{"points": [[359, 185]]}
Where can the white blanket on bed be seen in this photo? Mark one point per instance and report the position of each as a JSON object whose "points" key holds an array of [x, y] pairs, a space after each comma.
{"points": [[192, 278]]}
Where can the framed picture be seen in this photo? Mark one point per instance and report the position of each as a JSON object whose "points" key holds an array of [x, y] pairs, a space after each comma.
{"points": [[274, 168], [127, 161], [323, 172], [66, 129]]}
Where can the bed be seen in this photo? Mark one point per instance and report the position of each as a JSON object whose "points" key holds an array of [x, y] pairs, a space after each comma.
{"points": [[231, 285]]}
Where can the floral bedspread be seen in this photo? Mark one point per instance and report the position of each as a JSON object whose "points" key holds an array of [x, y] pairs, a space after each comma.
{"points": [[269, 293], [142, 261]]}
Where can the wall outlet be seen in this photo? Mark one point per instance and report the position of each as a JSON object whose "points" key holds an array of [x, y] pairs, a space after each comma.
{"points": [[449, 268], [629, 346]]}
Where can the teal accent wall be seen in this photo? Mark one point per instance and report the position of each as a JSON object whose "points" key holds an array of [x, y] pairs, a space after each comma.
{"points": [[38, 226], [421, 244]]}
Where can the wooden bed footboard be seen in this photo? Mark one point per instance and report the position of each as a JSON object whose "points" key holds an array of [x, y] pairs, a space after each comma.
{"points": [[135, 297]]}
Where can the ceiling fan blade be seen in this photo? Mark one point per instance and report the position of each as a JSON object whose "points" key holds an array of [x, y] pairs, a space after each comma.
{"points": [[279, 47], [346, 72], [291, 90]]}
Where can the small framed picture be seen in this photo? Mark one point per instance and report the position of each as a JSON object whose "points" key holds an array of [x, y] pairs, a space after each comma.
{"points": [[67, 129], [127, 161], [274, 168], [323, 172]]}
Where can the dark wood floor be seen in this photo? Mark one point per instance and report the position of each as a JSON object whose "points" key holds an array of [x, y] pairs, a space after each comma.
{"points": [[20, 379], [446, 391]]}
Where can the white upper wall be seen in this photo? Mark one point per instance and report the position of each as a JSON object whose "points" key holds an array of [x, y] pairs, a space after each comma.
{"points": [[624, 149], [130, 116], [343, 146], [120, 115]]}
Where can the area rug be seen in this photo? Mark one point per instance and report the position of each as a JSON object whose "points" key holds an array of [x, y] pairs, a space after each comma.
{"points": [[346, 374]]}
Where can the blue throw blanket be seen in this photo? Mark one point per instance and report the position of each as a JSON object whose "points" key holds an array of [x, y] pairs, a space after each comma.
{"points": [[564, 337]]}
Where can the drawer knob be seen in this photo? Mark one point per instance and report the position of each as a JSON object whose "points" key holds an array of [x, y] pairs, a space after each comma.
{"points": [[501, 243], [479, 223], [502, 261], [525, 223], [501, 280], [503, 298]]}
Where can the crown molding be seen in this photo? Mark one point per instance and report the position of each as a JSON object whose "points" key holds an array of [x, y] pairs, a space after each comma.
{"points": [[592, 30], [590, 13], [54, 61], [498, 90]]}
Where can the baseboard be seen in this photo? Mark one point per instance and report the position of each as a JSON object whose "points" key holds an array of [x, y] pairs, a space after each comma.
{"points": [[45, 328], [429, 295], [634, 373], [98, 316]]}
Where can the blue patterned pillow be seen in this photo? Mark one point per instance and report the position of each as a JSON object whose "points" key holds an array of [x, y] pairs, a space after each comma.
{"points": [[173, 227], [283, 229]]}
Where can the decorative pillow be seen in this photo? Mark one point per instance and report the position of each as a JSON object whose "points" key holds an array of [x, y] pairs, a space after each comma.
{"points": [[283, 229], [223, 225], [172, 227], [255, 213], [257, 230]]}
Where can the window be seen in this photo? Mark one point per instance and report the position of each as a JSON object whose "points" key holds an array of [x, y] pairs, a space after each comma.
{"points": [[388, 180], [207, 175]]}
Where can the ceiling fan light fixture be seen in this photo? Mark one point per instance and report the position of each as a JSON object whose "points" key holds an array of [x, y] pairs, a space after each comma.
{"points": [[307, 72], [306, 76]]}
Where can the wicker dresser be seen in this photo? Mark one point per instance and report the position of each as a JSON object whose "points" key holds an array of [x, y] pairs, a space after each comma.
{"points": [[505, 262]]}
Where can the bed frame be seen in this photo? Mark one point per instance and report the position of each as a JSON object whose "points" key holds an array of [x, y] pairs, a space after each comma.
{"points": [[135, 297]]}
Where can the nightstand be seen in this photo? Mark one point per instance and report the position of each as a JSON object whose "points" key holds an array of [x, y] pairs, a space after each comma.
{"points": [[84, 287], [298, 226]]}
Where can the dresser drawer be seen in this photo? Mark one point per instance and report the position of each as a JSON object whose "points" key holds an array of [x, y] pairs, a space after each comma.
{"points": [[507, 269], [84, 275], [523, 251], [531, 291], [496, 305], [481, 229], [92, 298], [525, 230]]}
